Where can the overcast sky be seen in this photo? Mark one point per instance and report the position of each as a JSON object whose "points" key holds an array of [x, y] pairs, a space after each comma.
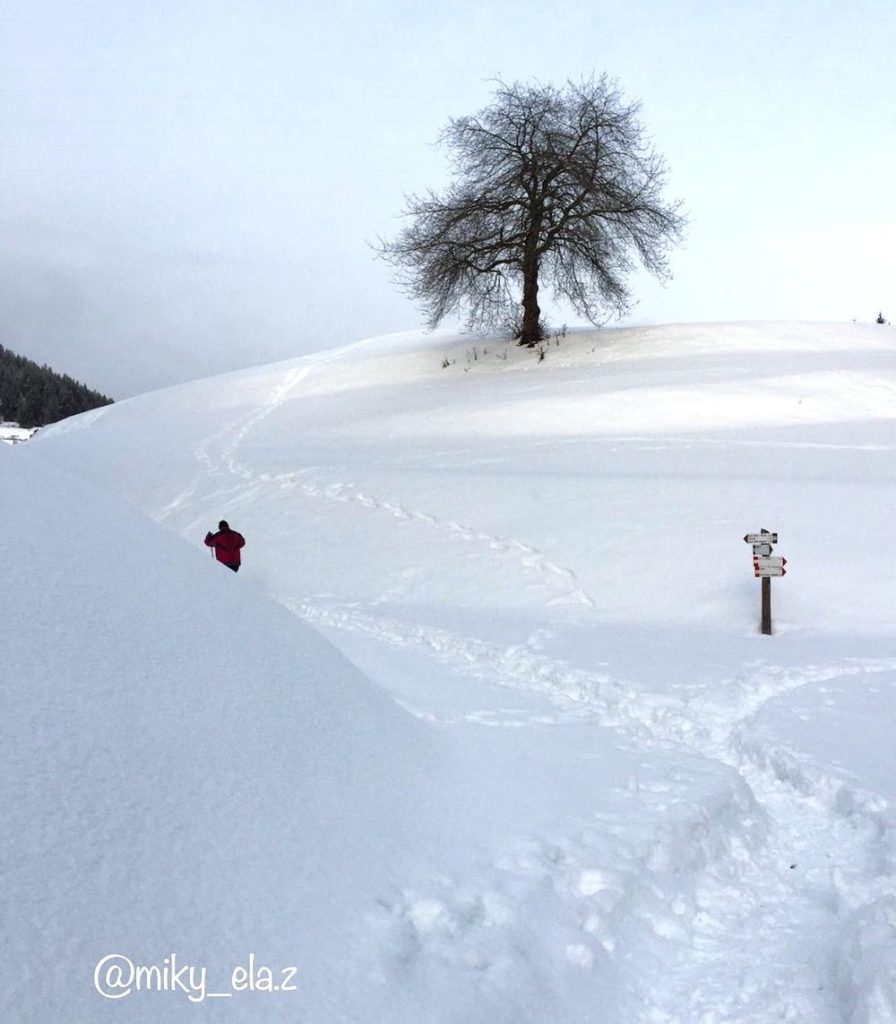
{"points": [[190, 186]]}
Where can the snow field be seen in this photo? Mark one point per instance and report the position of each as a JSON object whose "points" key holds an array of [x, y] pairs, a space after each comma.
{"points": [[643, 811]]}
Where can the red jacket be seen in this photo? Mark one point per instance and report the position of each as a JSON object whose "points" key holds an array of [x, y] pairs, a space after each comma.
{"points": [[227, 544]]}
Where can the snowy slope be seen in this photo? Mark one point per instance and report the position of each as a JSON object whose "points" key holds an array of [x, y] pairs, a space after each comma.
{"points": [[597, 792], [12, 433]]}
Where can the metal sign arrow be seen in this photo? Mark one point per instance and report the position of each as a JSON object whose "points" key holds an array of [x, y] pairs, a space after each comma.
{"points": [[761, 538], [770, 562], [769, 566]]}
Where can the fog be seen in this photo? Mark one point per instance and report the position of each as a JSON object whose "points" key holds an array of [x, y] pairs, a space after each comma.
{"points": [[191, 187]]}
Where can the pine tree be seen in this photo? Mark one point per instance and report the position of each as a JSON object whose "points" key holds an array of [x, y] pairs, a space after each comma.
{"points": [[34, 396]]}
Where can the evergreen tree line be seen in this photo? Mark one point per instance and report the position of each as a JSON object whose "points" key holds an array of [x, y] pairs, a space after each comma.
{"points": [[33, 395]]}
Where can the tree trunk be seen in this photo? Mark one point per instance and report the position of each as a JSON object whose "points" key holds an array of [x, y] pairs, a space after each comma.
{"points": [[531, 328]]}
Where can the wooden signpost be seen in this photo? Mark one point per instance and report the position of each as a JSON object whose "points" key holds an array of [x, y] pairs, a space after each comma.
{"points": [[766, 565]]}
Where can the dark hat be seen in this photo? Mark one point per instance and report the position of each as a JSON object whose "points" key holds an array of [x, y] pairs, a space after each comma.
{"points": [[223, 525]]}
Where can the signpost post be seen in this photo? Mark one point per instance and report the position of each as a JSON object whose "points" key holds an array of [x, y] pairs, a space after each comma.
{"points": [[766, 624], [765, 565]]}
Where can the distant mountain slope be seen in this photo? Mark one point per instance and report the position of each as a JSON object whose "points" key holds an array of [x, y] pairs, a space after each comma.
{"points": [[33, 395]]}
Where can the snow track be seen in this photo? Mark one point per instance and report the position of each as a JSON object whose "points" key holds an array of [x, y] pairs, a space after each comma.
{"points": [[783, 860], [218, 454]]}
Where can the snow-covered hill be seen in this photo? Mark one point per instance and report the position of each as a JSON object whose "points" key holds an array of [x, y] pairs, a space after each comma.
{"points": [[552, 772]]}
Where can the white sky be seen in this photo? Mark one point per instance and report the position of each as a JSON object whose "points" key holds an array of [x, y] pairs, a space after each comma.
{"points": [[191, 186]]}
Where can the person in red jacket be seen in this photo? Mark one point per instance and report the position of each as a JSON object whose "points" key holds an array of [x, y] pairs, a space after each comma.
{"points": [[227, 544]]}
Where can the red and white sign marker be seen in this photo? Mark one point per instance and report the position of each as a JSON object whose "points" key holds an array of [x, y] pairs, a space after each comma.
{"points": [[769, 566]]}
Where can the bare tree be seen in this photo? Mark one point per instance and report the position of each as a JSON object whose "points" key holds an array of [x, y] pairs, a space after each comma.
{"points": [[547, 184]]}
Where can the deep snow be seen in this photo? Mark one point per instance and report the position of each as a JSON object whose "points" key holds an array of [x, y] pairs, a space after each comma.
{"points": [[552, 772]]}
